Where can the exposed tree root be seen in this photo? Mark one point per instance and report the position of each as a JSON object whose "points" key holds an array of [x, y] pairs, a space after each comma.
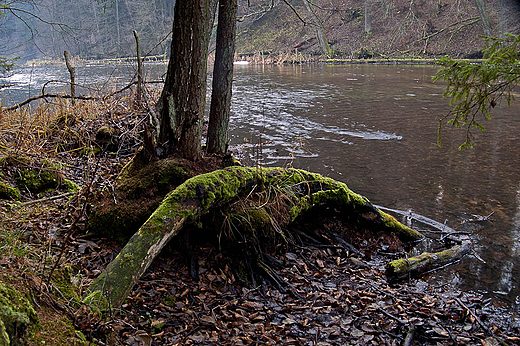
{"points": [[201, 194]]}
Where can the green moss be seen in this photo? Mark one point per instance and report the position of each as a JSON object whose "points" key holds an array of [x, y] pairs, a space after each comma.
{"points": [[128, 260], [58, 331], [140, 190], [17, 315], [169, 300], [4, 337], [69, 185], [36, 176], [404, 232], [9, 192], [62, 279]]}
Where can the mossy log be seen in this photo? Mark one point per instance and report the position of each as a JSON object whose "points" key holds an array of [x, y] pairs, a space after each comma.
{"points": [[202, 193], [419, 265]]}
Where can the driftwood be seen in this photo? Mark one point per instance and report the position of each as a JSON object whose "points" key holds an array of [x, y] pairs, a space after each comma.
{"points": [[202, 193], [426, 262]]}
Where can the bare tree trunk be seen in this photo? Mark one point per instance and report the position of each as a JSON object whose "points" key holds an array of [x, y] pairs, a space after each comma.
{"points": [[181, 105], [118, 48], [368, 21], [318, 25], [222, 78], [139, 68], [72, 72], [504, 4], [484, 18]]}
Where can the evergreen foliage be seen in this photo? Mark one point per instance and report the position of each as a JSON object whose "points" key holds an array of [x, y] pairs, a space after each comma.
{"points": [[476, 88]]}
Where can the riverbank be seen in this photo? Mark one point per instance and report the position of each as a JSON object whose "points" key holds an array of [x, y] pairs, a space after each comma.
{"points": [[328, 296]]}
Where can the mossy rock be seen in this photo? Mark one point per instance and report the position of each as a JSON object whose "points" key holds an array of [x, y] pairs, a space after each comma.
{"points": [[140, 190], [9, 192], [18, 319], [36, 175], [107, 138]]}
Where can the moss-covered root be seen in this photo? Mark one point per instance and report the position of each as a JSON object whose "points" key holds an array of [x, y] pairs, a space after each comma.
{"points": [[416, 266], [325, 190], [199, 194], [190, 199]]}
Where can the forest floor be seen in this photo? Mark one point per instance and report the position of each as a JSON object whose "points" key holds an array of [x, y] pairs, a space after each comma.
{"points": [[319, 292]]}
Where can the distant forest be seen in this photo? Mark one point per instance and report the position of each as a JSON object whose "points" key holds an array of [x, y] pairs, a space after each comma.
{"points": [[347, 28]]}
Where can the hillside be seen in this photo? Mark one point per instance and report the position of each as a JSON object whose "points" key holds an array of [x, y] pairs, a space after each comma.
{"points": [[396, 28]]}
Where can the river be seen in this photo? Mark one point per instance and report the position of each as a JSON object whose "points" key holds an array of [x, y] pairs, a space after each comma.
{"points": [[374, 128]]}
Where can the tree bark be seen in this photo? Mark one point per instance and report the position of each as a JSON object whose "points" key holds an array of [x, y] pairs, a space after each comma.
{"points": [[318, 25], [181, 105], [222, 78], [202, 193], [484, 17]]}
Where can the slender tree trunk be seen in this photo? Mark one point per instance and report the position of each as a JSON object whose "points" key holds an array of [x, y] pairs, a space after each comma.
{"points": [[484, 17], [368, 21], [504, 4], [118, 48], [222, 78], [320, 36], [72, 72], [181, 105], [139, 68]]}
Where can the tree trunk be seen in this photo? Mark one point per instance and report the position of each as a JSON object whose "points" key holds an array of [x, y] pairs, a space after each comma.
{"points": [[118, 48], [368, 21], [484, 17], [504, 4], [72, 72], [181, 105], [202, 193], [222, 78], [139, 67], [318, 25]]}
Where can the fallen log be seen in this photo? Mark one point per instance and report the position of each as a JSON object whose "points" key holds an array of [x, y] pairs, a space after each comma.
{"points": [[417, 266], [202, 193]]}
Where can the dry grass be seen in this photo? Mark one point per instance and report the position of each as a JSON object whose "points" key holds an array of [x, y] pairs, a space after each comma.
{"points": [[36, 231]]}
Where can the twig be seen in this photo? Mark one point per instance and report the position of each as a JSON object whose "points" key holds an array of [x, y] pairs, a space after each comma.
{"points": [[486, 329], [42, 96], [392, 316], [52, 198], [30, 99]]}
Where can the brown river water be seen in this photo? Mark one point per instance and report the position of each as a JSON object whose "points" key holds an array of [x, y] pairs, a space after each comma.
{"points": [[374, 128]]}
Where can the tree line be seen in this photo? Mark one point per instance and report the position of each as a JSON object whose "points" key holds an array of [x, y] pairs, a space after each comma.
{"points": [[103, 29]]}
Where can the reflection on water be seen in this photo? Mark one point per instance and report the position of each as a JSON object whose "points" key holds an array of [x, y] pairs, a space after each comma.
{"points": [[374, 128]]}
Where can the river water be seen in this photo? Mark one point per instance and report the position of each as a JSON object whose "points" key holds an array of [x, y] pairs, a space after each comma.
{"points": [[374, 128]]}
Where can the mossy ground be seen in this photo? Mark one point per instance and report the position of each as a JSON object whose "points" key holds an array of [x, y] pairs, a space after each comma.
{"points": [[17, 315]]}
